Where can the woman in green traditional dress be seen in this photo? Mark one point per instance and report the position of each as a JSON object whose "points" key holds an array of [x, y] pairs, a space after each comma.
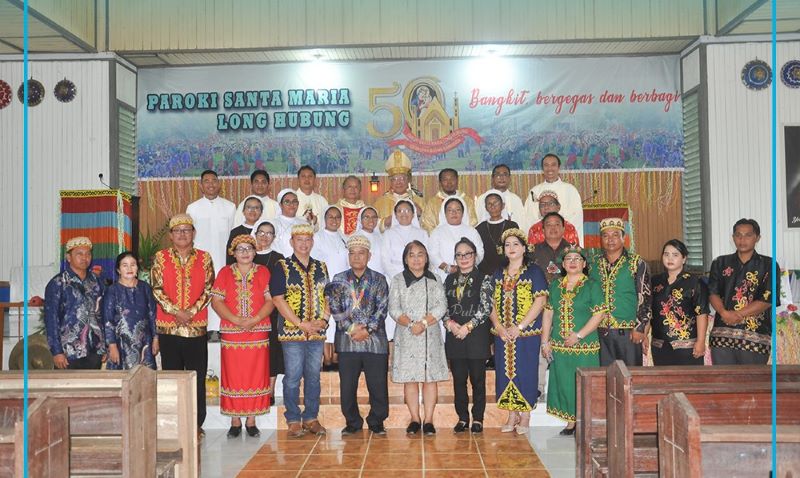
{"points": [[573, 312]]}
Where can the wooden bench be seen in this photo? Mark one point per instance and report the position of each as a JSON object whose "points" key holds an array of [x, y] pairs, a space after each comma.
{"points": [[48, 439], [689, 447], [633, 396], [176, 420], [591, 432], [100, 404]]}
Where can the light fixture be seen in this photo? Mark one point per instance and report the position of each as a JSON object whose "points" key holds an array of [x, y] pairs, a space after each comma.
{"points": [[373, 183]]}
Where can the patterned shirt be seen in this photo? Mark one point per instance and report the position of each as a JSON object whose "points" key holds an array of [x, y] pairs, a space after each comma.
{"points": [[359, 300], [626, 287], [536, 234], [738, 285], [546, 258], [72, 315], [180, 284], [303, 288], [676, 307]]}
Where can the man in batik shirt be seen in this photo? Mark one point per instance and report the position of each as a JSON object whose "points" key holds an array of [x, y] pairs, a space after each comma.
{"points": [[359, 299], [625, 281], [182, 277], [740, 290], [72, 311], [297, 286]]}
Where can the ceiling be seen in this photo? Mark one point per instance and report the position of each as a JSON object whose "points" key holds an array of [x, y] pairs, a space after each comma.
{"points": [[47, 36]]}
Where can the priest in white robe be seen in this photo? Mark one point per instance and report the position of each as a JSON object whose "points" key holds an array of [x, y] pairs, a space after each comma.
{"points": [[213, 220], [568, 196]]}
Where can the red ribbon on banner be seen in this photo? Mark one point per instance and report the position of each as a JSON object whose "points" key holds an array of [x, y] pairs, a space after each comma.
{"points": [[441, 145]]}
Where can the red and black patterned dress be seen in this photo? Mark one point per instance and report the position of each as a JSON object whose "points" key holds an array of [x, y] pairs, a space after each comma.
{"points": [[244, 355]]}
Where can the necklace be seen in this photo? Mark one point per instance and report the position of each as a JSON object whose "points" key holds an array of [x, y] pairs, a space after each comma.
{"points": [[496, 242]]}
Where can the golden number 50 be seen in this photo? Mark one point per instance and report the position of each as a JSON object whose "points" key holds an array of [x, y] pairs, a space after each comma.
{"points": [[374, 106]]}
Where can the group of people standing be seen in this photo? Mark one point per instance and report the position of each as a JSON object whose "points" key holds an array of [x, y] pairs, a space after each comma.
{"points": [[441, 287]]}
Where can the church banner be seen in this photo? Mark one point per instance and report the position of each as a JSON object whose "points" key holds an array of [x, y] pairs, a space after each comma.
{"points": [[595, 113]]}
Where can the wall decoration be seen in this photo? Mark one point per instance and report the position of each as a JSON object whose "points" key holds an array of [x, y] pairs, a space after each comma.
{"points": [[35, 92], [756, 75], [5, 94], [790, 74], [65, 91]]}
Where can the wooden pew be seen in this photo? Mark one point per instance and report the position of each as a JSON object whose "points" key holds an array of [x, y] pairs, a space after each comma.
{"points": [[176, 423], [591, 433], [177, 419], [633, 396], [48, 439], [691, 448], [100, 403]]}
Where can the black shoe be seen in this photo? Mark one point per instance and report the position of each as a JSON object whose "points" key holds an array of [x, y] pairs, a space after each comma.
{"points": [[460, 427], [213, 336], [272, 400], [477, 427], [490, 364], [348, 430], [252, 431], [567, 432], [234, 432], [429, 429], [413, 428], [378, 430]]}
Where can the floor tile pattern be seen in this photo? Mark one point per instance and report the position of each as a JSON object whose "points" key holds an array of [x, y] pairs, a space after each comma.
{"points": [[491, 454]]}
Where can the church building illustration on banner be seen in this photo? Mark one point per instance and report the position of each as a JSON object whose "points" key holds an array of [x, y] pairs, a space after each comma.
{"points": [[429, 129]]}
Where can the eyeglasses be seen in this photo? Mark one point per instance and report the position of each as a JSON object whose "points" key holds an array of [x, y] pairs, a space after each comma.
{"points": [[369, 218], [501, 175], [547, 203], [290, 202], [573, 259], [464, 255], [183, 231], [265, 233], [242, 249], [253, 208]]}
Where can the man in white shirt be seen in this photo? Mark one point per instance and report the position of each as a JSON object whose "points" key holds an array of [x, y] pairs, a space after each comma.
{"points": [[501, 179], [312, 205], [259, 186], [568, 196], [212, 216]]}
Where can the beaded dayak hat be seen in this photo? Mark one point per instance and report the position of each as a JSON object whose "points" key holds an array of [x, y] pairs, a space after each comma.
{"points": [[180, 219], [358, 241], [80, 241], [241, 239], [571, 250], [612, 223], [516, 233], [302, 230]]}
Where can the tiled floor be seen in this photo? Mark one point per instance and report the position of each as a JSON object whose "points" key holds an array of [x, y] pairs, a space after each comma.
{"points": [[488, 455]]}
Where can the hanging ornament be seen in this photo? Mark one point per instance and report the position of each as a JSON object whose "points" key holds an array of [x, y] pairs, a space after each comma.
{"points": [[756, 75], [790, 74], [5, 94], [65, 91], [35, 92]]}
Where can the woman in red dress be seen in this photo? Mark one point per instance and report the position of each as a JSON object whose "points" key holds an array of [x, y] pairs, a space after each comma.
{"points": [[241, 298]]}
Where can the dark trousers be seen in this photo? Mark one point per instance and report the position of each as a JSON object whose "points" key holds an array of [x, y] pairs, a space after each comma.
{"points": [[181, 353], [476, 370], [90, 362], [376, 369], [615, 344], [666, 355], [728, 356]]}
